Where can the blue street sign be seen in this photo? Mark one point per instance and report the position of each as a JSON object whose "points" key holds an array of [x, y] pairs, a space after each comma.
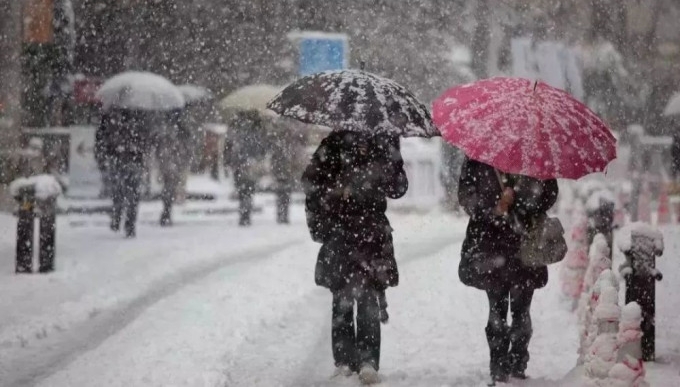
{"points": [[319, 53]]}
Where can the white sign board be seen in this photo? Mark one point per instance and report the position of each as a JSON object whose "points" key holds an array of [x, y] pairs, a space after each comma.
{"points": [[83, 174]]}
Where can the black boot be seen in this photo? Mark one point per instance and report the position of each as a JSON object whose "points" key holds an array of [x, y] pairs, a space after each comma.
{"points": [[499, 343], [382, 302], [130, 230], [166, 220]]}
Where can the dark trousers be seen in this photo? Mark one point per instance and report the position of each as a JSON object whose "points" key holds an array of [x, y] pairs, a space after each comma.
{"points": [[282, 205], [170, 184], [352, 346], [245, 186], [509, 346], [126, 180]]}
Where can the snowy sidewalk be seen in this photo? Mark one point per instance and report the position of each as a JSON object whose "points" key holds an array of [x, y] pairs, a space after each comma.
{"points": [[209, 304], [100, 276]]}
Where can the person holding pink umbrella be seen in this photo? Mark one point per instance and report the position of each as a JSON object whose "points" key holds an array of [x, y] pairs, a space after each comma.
{"points": [[518, 136]]}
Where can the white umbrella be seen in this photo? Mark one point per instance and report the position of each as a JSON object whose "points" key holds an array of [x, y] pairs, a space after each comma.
{"points": [[140, 90], [195, 93], [253, 97], [673, 106]]}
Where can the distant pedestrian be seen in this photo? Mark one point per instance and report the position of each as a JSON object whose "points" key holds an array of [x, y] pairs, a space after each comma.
{"points": [[172, 141], [247, 148], [287, 145], [675, 159], [490, 259], [347, 183], [123, 136]]}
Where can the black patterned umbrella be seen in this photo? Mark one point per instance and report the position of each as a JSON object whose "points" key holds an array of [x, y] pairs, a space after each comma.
{"points": [[357, 101]]}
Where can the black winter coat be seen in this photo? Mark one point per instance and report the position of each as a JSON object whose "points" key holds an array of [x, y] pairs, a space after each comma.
{"points": [[123, 137], [346, 201], [490, 256]]}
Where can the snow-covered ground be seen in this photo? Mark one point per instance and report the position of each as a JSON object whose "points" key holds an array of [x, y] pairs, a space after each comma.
{"points": [[206, 303]]}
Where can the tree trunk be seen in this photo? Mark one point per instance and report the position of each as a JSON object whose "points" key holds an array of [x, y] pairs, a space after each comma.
{"points": [[480, 40]]}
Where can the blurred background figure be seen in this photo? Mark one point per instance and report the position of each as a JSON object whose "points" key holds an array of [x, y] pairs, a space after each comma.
{"points": [[247, 148], [452, 160], [172, 142], [675, 157], [123, 140], [102, 157], [287, 140], [198, 111]]}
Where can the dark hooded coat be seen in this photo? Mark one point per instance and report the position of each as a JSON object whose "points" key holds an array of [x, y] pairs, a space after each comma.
{"points": [[490, 255], [123, 137], [346, 201]]}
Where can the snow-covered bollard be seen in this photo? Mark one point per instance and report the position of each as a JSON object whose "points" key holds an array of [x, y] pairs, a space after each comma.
{"points": [[36, 193], [602, 353], [629, 370], [25, 196], [629, 338], [628, 373], [642, 243], [598, 260], [587, 305], [572, 271]]}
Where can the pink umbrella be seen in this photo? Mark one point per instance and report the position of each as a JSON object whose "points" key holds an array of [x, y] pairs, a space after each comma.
{"points": [[523, 127]]}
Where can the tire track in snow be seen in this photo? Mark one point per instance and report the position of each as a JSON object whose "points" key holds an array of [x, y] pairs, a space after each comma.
{"points": [[300, 332], [55, 353]]}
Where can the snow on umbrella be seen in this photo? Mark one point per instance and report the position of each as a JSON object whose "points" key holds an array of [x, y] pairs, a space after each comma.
{"points": [[140, 91], [357, 101], [524, 127], [252, 97], [673, 106], [195, 93]]}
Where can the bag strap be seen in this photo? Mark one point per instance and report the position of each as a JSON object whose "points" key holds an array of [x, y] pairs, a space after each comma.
{"points": [[500, 179]]}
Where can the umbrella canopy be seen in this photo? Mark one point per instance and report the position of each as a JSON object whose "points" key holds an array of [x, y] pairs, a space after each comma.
{"points": [[673, 106], [253, 97], [357, 101], [524, 127], [139, 91], [195, 93]]}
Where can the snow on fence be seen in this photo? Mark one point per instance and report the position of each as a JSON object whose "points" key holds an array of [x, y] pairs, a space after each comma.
{"points": [[610, 350], [614, 340]]}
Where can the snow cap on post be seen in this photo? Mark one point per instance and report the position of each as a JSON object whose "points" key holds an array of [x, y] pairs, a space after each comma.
{"points": [[631, 314], [640, 230], [44, 186]]}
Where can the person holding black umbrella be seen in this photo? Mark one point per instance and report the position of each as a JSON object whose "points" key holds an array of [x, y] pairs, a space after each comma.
{"points": [[347, 183], [351, 175]]}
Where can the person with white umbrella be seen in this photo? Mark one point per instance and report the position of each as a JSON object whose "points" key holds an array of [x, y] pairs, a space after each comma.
{"points": [[124, 135]]}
